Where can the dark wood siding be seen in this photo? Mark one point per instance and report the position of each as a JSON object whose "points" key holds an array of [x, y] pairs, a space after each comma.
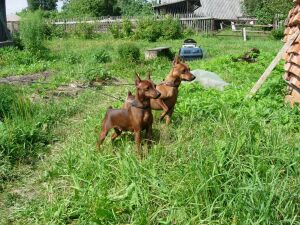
{"points": [[3, 29]]}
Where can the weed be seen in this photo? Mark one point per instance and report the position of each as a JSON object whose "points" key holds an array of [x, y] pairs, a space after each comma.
{"points": [[129, 52]]}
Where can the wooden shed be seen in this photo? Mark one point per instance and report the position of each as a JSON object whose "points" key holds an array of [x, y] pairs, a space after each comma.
{"points": [[217, 9], [292, 56], [4, 33]]}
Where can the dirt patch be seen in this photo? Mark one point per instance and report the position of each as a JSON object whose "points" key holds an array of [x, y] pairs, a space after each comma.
{"points": [[26, 79]]}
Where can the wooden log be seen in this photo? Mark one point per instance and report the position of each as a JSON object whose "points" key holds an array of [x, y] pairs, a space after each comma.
{"points": [[273, 64]]}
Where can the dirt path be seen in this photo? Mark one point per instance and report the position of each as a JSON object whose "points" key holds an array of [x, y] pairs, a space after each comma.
{"points": [[26, 79]]}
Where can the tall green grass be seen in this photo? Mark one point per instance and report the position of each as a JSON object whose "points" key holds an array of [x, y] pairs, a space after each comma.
{"points": [[224, 160]]}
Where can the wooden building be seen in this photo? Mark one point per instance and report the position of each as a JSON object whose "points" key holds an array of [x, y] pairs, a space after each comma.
{"points": [[4, 33], [216, 9]]}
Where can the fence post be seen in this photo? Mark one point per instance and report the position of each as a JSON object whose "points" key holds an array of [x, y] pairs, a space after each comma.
{"points": [[244, 34]]}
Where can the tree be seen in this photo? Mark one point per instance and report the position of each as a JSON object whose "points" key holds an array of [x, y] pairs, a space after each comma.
{"points": [[265, 10], [42, 4], [94, 8], [135, 7]]}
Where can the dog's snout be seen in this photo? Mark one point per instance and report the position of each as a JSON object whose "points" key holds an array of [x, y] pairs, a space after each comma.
{"points": [[193, 77]]}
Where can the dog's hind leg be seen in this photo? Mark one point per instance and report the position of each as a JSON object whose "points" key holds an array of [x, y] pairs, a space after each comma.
{"points": [[102, 136], [116, 134]]}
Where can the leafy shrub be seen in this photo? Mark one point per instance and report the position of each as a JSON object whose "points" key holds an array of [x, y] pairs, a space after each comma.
{"points": [[54, 31], [189, 32], [72, 58], [129, 52], [121, 31], [127, 28], [8, 98], [93, 72], [101, 56], [84, 31], [115, 30], [13, 56], [171, 28], [278, 34], [32, 28], [148, 29], [151, 29]]}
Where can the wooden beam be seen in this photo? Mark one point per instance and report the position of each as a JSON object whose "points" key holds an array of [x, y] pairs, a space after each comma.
{"points": [[273, 64]]}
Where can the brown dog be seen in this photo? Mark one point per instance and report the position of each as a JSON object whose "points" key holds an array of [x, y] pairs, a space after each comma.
{"points": [[135, 118], [168, 89]]}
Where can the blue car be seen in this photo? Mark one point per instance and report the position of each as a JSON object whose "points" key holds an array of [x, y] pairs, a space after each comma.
{"points": [[190, 51]]}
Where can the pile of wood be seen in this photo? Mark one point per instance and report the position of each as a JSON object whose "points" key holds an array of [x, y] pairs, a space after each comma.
{"points": [[292, 56]]}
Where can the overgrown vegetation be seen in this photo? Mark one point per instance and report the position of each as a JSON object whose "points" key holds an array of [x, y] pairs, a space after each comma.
{"points": [[32, 32], [224, 160], [266, 10], [149, 28], [129, 52]]}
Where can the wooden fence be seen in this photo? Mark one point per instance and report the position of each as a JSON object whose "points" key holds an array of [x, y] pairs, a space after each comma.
{"points": [[102, 24]]}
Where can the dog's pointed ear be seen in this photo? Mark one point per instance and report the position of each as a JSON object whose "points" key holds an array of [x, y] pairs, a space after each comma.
{"points": [[137, 79], [176, 60], [129, 94], [149, 75], [183, 60]]}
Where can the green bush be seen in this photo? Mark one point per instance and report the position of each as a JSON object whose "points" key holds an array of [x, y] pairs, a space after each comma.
{"points": [[278, 34], [8, 97], [93, 72], [148, 29], [101, 56], [56, 31], [72, 58], [127, 28], [129, 52], [151, 29], [84, 31], [32, 31], [115, 30], [171, 28]]}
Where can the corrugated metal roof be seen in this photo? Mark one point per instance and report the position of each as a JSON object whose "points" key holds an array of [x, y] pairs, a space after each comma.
{"points": [[220, 9]]}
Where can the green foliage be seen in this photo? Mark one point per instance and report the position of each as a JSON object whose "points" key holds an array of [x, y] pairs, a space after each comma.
{"points": [[266, 10], [90, 72], [129, 52], [221, 156], [84, 31], [278, 34], [151, 29], [126, 28], [42, 4], [123, 30], [135, 7], [170, 28], [148, 29], [101, 56], [115, 30], [32, 32], [8, 97], [96, 8]]}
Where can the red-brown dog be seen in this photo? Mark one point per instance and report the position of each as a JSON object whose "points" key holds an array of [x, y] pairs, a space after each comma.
{"points": [[168, 89], [135, 118]]}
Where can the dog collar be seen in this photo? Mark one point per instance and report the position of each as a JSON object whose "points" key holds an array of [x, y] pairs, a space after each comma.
{"points": [[170, 84], [139, 105]]}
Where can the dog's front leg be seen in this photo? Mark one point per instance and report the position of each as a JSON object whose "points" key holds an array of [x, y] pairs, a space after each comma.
{"points": [[149, 134], [138, 140], [164, 107]]}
